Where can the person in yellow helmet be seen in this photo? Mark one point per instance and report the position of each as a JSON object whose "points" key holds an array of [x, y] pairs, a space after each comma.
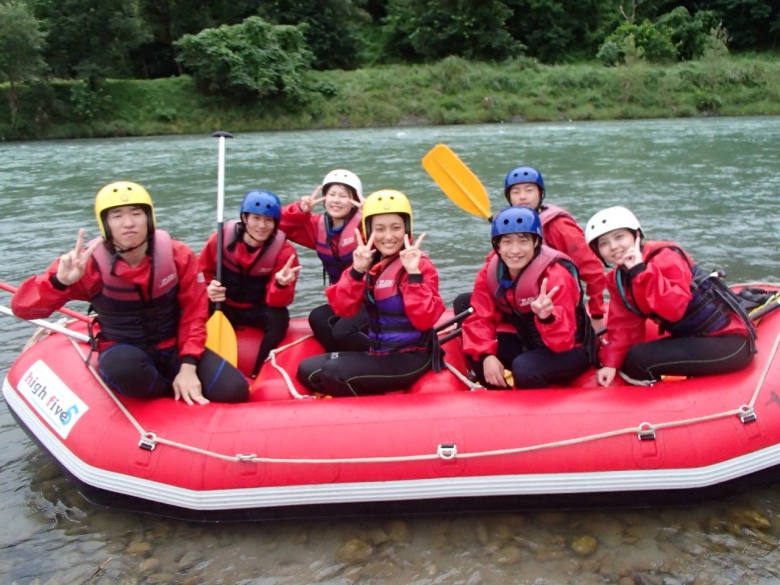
{"points": [[399, 287], [150, 300]]}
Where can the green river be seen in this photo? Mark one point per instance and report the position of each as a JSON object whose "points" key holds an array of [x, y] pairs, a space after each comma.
{"points": [[711, 185]]}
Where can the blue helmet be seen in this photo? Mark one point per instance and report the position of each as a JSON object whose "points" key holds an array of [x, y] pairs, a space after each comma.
{"points": [[515, 220], [523, 175], [262, 203]]}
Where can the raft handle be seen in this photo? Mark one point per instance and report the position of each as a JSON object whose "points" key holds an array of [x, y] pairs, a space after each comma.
{"points": [[148, 441], [646, 432], [447, 451], [249, 457], [747, 414]]}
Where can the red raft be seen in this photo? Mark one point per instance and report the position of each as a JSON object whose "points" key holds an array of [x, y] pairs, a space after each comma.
{"points": [[442, 445]]}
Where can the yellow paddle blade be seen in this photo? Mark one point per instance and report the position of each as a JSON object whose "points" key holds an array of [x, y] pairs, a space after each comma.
{"points": [[221, 339], [457, 181]]}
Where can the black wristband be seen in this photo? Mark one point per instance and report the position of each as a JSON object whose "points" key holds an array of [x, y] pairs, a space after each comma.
{"points": [[637, 269], [56, 283]]}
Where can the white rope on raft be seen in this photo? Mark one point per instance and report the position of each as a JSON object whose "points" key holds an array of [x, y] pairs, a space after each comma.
{"points": [[642, 429]]}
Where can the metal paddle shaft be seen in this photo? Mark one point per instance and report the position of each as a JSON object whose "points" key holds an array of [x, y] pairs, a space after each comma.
{"points": [[50, 326], [221, 338], [222, 135]]}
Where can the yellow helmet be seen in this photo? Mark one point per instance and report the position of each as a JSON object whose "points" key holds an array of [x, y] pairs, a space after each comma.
{"points": [[387, 201], [119, 194]]}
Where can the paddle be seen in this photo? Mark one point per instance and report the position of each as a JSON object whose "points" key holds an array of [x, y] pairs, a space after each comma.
{"points": [[766, 308], [457, 181], [221, 338], [50, 326], [12, 289]]}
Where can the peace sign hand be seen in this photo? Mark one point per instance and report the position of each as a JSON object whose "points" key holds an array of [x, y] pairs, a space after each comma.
{"points": [[361, 257], [358, 202], [308, 202], [633, 255], [543, 306], [411, 254], [287, 274], [73, 264]]}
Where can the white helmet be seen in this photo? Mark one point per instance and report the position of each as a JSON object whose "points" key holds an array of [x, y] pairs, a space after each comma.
{"points": [[606, 220], [345, 178]]}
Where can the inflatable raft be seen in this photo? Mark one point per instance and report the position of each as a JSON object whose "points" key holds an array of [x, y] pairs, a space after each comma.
{"points": [[442, 445]]}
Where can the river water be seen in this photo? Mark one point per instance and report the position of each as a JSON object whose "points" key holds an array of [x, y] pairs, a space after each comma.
{"points": [[712, 185]]}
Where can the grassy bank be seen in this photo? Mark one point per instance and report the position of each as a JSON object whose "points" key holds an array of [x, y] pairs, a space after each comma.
{"points": [[453, 91]]}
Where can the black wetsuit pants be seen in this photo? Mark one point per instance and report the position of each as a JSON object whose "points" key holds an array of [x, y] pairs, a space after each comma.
{"points": [[687, 356], [131, 371], [339, 333], [362, 374], [273, 321], [535, 368]]}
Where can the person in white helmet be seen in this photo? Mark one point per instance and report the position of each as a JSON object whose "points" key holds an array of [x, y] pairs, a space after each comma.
{"points": [[332, 236], [705, 330]]}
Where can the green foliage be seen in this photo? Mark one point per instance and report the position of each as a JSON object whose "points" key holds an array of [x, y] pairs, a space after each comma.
{"points": [[452, 91], [752, 24], [91, 39], [332, 31], [21, 43], [652, 43], [89, 102], [552, 29], [715, 44], [439, 28], [689, 34], [254, 59], [610, 54]]}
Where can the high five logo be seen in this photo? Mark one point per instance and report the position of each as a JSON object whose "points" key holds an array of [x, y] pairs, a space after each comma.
{"points": [[54, 401]]}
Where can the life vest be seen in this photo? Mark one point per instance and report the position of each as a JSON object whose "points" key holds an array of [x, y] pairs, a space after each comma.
{"points": [[247, 284], [514, 298], [709, 310], [548, 212], [389, 328], [129, 314], [335, 248]]}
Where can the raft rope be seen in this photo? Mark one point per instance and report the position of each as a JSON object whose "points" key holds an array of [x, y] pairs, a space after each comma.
{"points": [[644, 430]]}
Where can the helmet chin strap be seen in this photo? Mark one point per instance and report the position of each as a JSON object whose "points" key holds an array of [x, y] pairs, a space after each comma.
{"points": [[126, 250]]}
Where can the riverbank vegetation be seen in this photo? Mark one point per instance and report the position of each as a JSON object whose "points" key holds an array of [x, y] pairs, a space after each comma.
{"points": [[83, 68]]}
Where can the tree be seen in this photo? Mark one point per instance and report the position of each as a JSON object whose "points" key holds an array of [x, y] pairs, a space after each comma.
{"points": [[331, 31], [689, 34], [439, 28], [21, 43], [91, 39], [169, 20], [646, 39], [253, 59]]}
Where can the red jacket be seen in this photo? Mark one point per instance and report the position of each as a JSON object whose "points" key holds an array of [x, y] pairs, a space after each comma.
{"points": [[420, 292], [557, 331], [275, 296], [662, 286], [300, 227], [563, 234], [37, 298]]}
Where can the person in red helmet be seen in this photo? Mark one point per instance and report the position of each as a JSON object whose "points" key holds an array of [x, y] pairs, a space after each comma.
{"points": [[705, 329], [259, 271], [332, 236], [150, 300], [537, 290]]}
